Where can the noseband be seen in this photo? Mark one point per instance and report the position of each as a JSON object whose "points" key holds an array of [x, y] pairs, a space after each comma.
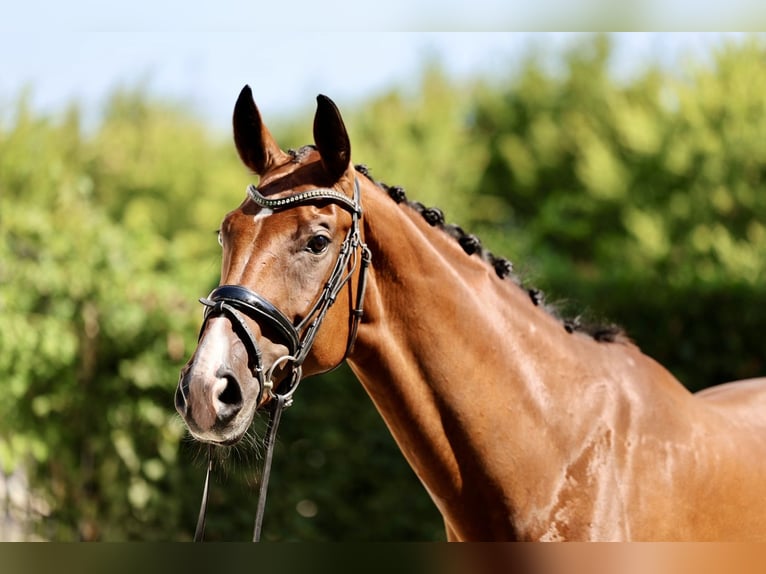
{"points": [[237, 302]]}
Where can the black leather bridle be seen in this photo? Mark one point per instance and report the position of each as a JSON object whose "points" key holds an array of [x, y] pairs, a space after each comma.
{"points": [[237, 302]]}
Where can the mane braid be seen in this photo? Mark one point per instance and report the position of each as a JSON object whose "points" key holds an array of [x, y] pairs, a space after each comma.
{"points": [[608, 333]]}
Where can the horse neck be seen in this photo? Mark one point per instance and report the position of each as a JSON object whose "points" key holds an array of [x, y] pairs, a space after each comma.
{"points": [[473, 380]]}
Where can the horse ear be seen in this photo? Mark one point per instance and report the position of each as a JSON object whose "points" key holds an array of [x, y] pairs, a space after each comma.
{"points": [[255, 145], [331, 138]]}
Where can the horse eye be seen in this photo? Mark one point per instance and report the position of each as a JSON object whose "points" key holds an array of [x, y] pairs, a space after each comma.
{"points": [[220, 237], [318, 244]]}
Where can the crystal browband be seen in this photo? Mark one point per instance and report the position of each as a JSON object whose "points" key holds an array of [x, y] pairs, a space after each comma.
{"points": [[318, 194]]}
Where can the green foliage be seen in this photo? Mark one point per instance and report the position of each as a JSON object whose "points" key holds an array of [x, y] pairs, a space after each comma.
{"points": [[641, 201], [98, 312]]}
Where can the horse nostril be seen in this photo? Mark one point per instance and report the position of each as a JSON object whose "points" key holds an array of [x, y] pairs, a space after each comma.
{"points": [[230, 395], [228, 398]]}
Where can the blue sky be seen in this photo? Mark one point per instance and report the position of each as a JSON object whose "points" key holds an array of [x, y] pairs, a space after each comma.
{"points": [[81, 49]]}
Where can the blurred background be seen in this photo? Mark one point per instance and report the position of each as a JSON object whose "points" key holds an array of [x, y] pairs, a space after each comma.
{"points": [[623, 174]]}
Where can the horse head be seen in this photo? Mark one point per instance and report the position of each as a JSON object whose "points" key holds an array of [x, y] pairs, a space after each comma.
{"points": [[290, 254]]}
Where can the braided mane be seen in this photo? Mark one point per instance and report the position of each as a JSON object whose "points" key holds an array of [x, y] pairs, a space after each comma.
{"points": [[471, 244]]}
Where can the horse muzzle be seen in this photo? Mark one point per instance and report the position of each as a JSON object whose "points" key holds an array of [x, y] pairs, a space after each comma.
{"points": [[217, 403], [225, 382]]}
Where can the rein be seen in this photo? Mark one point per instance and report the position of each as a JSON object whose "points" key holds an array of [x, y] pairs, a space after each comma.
{"points": [[234, 301]]}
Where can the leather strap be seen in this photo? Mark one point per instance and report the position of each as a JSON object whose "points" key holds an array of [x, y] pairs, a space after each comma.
{"points": [[275, 415], [199, 532], [257, 308]]}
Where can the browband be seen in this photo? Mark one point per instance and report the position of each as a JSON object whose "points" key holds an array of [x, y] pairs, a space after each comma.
{"points": [[281, 203]]}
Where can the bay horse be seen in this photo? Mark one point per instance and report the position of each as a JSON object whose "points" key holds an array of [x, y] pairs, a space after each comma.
{"points": [[520, 426]]}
